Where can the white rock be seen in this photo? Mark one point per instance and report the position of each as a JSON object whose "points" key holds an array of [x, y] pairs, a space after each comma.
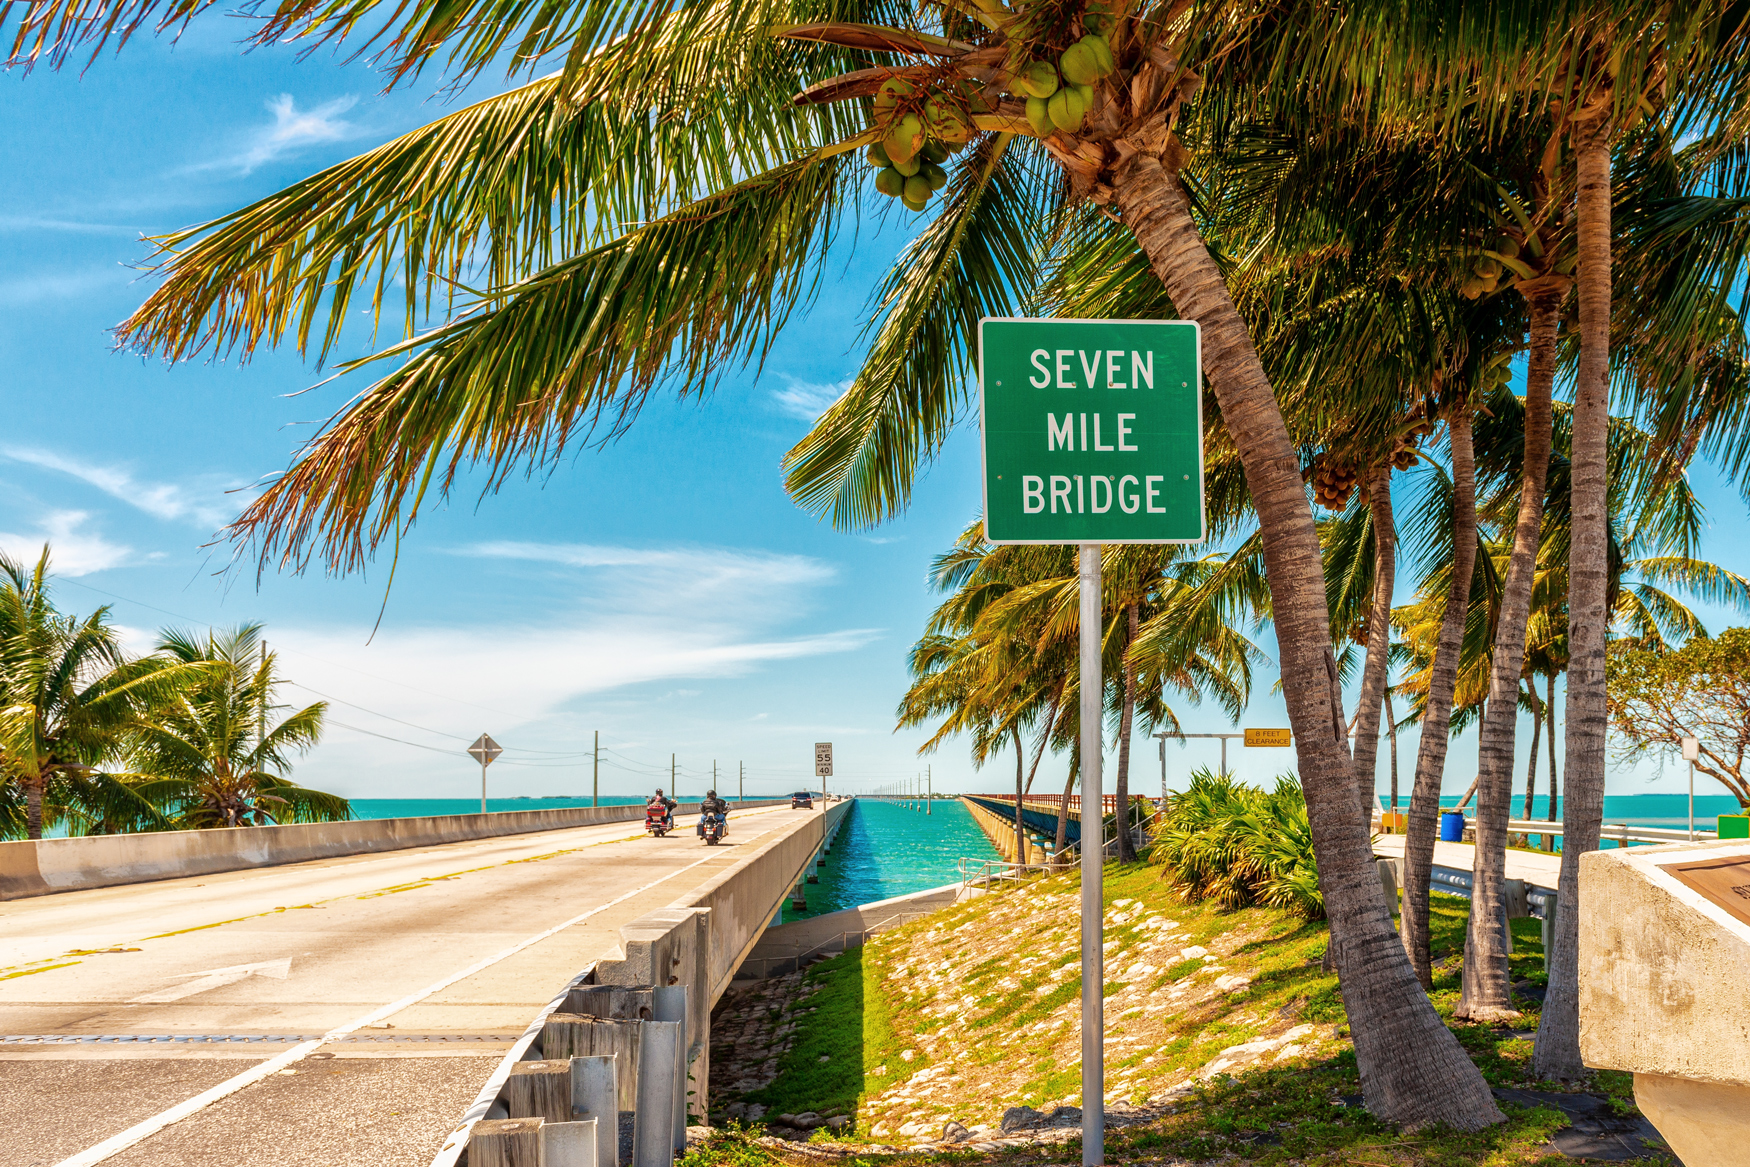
{"points": [[1193, 952], [908, 1055], [1292, 1049], [1299, 1031]]}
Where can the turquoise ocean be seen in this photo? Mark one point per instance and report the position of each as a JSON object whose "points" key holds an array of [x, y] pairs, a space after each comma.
{"points": [[884, 849]]}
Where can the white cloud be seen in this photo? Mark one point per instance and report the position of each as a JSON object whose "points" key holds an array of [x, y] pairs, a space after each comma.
{"points": [[808, 399], [73, 550], [160, 499], [293, 129], [21, 291], [668, 616]]}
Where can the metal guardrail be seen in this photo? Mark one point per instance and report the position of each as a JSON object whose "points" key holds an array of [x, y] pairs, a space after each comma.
{"points": [[1620, 833]]}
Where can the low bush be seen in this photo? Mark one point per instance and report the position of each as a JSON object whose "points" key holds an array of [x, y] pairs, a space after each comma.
{"points": [[1238, 845]]}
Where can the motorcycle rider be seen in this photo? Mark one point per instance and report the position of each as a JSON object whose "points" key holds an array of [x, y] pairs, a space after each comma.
{"points": [[713, 805], [663, 804]]}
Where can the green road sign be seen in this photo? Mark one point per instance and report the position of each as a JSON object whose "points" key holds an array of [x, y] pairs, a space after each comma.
{"points": [[1093, 430]]}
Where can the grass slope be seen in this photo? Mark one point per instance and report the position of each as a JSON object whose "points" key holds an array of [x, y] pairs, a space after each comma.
{"points": [[976, 1008]]}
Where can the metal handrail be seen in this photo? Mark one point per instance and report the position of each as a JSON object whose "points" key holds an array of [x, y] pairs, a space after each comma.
{"points": [[1611, 832]]}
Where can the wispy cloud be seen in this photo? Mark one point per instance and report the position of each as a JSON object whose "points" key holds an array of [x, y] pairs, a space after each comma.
{"points": [[710, 568], [667, 618], [295, 128], [163, 500], [73, 549], [808, 399], [40, 223], [22, 291]]}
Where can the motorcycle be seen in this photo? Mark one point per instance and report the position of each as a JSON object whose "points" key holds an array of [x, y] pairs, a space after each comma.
{"points": [[658, 820], [712, 828]]}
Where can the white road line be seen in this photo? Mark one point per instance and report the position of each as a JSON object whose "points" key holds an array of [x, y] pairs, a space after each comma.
{"points": [[151, 1126]]}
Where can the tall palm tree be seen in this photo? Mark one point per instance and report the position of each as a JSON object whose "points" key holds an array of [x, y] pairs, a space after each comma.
{"points": [[216, 753], [68, 695]]}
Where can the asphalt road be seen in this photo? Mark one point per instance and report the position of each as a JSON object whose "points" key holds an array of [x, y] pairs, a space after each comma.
{"points": [[300, 950]]}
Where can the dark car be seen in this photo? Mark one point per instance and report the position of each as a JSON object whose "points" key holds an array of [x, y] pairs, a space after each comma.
{"points": [[802, 800]]}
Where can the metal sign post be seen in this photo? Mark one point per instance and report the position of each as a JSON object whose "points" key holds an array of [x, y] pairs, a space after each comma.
{"points": [[484, 750], [1093, 434], [1269, 738], [823, 767]]}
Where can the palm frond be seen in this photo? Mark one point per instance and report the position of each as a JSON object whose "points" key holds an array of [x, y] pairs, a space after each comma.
{"points": [[568, 355]]}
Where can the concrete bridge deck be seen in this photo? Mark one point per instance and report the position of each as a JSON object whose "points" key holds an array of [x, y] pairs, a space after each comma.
{"points": [[448, 951]]}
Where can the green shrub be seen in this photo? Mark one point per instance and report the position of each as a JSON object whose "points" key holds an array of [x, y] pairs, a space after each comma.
{"points": [[1238, 845]]}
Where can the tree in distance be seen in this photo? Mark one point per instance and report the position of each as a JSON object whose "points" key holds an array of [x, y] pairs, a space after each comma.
{"points": [[1702, 690], [68, 698], [216, 753]]}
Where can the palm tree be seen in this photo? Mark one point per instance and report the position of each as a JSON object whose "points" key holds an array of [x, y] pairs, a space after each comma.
{"points": [[68, 695], [215, 754]]}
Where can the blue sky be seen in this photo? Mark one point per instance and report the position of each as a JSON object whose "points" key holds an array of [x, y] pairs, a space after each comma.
{"points": [[663, 590]]}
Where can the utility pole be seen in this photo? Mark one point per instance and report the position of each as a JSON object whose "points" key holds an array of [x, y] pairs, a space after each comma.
{"points": [[713, 773], [595, 781], [929, 791], [672, 790], [741, 782]]}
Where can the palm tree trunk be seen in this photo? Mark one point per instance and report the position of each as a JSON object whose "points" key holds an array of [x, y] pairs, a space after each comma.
{"points": [[1424, 815], [1391, 727], [1558, 1033], [1413, 1070], [1378, 664], [1549, 708], [1044, 740], [1487, 994], [1536, 735], [1126, 846], [1020, 793], [1069, 786], [33, 808]]}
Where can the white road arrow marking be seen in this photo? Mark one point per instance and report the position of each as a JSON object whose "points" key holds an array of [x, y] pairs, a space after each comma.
{"points": [[214, 978]]}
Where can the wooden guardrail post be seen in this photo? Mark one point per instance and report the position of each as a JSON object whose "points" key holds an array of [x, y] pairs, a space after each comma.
{"points": [[573, 1035], [539, 1090], [595, 1094], [505, 1142], [617, 1001], [660, 1049]]}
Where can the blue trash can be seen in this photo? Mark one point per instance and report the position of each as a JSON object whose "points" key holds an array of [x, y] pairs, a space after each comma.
{"points": [[1452, 826]]}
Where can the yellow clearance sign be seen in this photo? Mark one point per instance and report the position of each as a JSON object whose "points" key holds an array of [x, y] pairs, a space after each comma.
{"points": [[1269, 737]]}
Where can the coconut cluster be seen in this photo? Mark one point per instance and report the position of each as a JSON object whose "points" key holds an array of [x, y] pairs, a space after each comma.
{"points": [[924, 127], [1334, 479], [1486, 272], [1059, 96]]}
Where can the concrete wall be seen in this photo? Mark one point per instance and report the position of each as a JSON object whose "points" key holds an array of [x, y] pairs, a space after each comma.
{"points": [[744, 899], [700, 939], [1664, 971], [41, 867], [780, 948]]}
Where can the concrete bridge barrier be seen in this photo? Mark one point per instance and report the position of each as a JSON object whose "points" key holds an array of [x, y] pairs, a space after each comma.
{"points": [[696, 944], [45, 866]]}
